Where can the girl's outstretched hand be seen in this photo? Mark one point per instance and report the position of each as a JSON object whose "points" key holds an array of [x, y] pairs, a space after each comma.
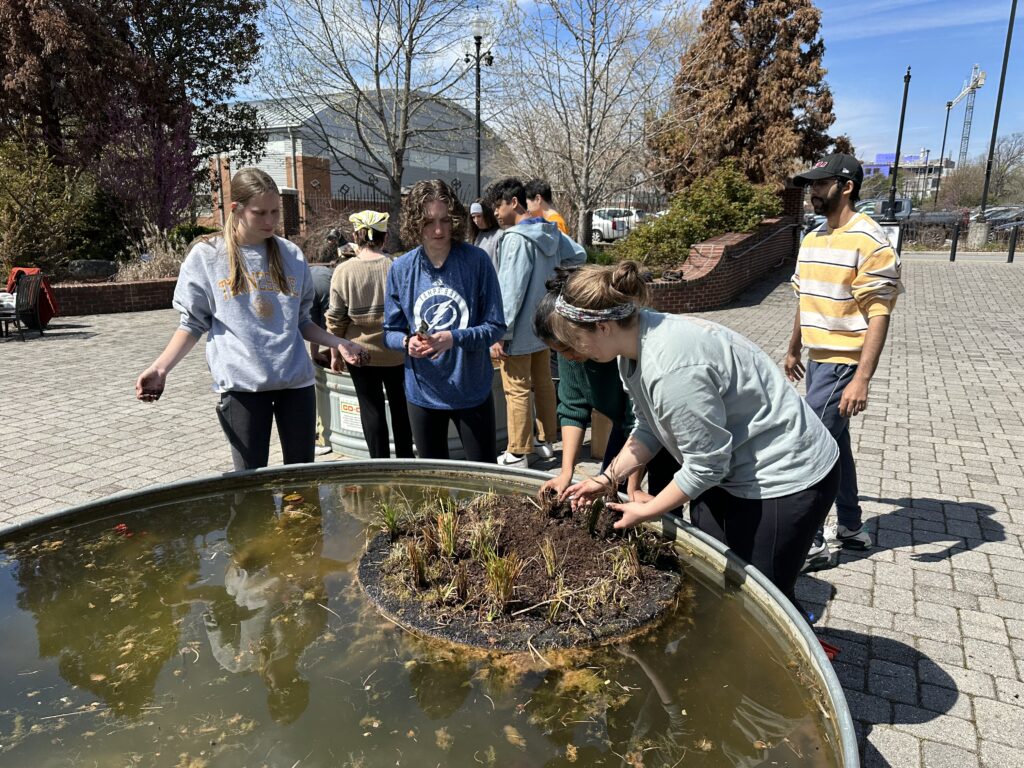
{"points": [[150, 385], [583, 493], [353, 354], [633, 513]]}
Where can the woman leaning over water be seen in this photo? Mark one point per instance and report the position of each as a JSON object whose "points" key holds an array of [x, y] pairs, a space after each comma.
{"points": [[251, 292], [758, 467]]}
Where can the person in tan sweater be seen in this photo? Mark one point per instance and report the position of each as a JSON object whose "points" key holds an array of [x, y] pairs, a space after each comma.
{"points": [[357, 312]]}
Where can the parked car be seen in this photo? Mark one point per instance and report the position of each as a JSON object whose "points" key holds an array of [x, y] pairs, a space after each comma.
{"points": [[930, 228], [812, 221], [878, 207], [614, 223]]}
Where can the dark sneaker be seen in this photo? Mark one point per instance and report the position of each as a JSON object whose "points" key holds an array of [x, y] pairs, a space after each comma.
{"points": [[842, 536]]}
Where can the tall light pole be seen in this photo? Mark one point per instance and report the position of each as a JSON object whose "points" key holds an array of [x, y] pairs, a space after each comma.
{"points": [[942, 156], [999, 104], [479, 28], [977, 232], [890, 216]]}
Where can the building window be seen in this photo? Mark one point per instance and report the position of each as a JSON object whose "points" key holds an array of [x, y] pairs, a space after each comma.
{"points": [[429, 160]]}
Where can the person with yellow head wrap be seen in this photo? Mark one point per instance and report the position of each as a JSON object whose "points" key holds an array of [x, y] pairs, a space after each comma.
{"points": [[357, 312]]}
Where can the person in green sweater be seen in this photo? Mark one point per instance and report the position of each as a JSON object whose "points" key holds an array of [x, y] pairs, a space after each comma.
{"points": [[584, 386]]}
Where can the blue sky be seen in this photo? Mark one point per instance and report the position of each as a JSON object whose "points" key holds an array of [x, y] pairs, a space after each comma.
{"points": [[869, 45]]}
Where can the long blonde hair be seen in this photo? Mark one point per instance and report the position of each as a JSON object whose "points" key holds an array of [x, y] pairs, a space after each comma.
{"points": [[246, 184]]}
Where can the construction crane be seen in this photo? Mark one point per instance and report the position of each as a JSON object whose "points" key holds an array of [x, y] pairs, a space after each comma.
{"points": [[970, 89]]}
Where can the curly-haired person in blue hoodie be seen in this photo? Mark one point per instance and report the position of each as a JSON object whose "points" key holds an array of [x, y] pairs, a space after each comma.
{"points": [[442, 306]]}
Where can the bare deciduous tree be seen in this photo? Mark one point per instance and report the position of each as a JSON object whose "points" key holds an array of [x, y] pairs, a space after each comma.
{"points": [[370, 76], [588, 76], [962, 187], [1008, 168]]}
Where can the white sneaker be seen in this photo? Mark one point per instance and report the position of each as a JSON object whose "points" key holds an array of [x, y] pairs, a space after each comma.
{"points": [[819, 558], [511, 460], [321, 450], [842, 536], [544, 450]]}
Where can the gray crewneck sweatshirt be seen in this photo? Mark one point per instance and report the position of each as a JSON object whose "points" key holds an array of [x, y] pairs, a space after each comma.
{"points": [[724, 410], [254, 339]]}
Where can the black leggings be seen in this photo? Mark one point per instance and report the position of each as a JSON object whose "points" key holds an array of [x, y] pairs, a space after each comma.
{"points": [[475, 425], [245, 418], [661, 471], [773, 535], [370, 384]]}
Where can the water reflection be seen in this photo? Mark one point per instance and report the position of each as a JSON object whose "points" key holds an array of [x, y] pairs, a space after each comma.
{"points": [[269, 608], [232, 630], [105, 606]]}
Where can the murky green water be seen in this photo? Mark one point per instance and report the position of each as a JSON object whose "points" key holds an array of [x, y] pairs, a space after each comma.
{"points": [[203, 633]]}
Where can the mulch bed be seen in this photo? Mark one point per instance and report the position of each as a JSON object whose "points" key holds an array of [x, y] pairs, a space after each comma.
{"points": [[577, 581]]}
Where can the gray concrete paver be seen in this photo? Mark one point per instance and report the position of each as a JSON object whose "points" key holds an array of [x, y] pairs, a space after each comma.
{"points": [[930, 622], [935, 755], [996, 755]]}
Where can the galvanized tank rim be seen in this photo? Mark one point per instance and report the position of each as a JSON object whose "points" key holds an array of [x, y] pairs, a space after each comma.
{"points": [[709, 549]]}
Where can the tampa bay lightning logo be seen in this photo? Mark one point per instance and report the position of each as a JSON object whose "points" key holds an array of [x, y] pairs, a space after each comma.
{"points": [[442, 309]]}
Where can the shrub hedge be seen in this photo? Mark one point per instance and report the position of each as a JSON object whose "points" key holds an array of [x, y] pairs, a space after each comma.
{"points": [[723, 201]]}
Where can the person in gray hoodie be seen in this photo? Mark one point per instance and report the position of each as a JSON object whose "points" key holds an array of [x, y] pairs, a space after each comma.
{"points": [[530, 250], [250, 293]]}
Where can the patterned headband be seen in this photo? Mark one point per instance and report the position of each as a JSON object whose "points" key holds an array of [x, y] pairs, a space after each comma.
{"points": [[368, 220], [580, 315]]}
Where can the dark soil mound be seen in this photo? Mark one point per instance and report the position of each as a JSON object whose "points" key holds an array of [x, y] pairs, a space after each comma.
{"points": [[510, 573]]}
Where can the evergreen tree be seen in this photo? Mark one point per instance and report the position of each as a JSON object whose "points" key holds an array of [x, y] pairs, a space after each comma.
{"points": [[750, 87]]}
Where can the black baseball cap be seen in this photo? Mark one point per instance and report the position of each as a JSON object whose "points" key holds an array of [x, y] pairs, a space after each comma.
{"points": [[834, 166]]}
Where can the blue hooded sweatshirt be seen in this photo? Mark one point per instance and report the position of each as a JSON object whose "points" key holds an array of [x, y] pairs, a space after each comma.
{"points": [[527, 257], [462, 297]]}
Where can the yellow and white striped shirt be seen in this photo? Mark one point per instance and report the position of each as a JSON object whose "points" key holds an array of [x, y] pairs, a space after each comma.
{"points": [[844, 277]]}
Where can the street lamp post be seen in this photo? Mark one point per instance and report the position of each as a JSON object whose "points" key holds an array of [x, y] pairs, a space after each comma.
{"points": [[977, 233], [999, 103], [890, 216], [942, 156], [479, 27]]}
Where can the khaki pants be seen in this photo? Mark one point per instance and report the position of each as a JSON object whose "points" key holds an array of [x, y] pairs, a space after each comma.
{"points": [[520, 374]]}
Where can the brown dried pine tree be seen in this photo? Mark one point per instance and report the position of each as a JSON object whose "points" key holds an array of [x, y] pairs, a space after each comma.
{"points": [[752, 88]]}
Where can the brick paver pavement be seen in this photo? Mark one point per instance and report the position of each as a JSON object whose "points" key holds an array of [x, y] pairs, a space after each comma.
{"points": [[930, 621]]}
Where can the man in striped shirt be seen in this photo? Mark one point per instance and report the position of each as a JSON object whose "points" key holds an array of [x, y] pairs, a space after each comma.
{"points": [[847, 279]]}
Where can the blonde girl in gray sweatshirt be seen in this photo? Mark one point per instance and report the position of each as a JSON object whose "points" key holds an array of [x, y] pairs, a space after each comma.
{"points": [[250, 292]]}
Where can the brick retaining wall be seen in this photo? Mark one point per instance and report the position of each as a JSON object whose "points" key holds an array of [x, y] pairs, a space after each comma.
{"points": [[721, 268], [105, 298]]}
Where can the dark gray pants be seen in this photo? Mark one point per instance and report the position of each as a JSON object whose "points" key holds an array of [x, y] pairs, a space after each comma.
{"points": [[476, 428], [245, 418], [825, 385]]}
